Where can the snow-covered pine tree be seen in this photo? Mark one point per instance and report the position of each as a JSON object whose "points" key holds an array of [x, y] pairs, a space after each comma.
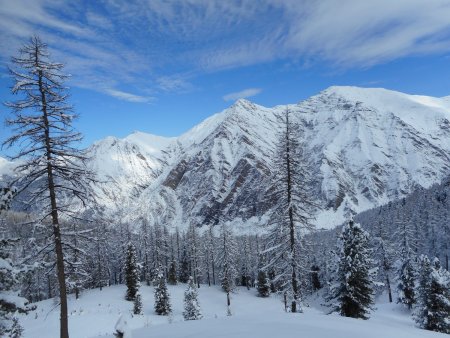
{"points": [[172, 275], [422, 291], [227, 261], [10, 302], [406, 282], [263, 284], [352, 290], [184, 265], [383, 253], [137, 304], [79, 239], [131, 273], [292, 189], [51, 168], [244, 262], [439, 302], [406, 272], [191, 305], [162, 299], [145, 242], [161, 251], [433, 296], [99, 260], [16, 329], [193, 240], [6, 195], [208, 256], [315, 280]]}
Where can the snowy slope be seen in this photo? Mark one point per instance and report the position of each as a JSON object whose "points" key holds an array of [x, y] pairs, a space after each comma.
{"points": [[367, 146], [126, 166], [96, 313]]}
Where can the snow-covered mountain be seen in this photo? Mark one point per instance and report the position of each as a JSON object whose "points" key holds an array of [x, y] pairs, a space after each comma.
{"points": [[124, 167], [367, 147]]}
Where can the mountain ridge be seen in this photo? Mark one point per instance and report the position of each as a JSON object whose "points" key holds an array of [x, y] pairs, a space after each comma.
{"points": [[367, 146]]}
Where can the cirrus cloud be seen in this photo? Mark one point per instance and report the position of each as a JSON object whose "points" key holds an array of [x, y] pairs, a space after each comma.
{"points": [[150, 46], [243, 94]]}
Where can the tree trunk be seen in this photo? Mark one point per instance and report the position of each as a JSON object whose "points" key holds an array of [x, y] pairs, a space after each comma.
{"points": [[388, 284], [294, 284], [64, 326], [285, 301]]}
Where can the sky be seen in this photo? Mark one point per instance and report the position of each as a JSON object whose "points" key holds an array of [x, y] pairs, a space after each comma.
{"points": [[162, 66]]}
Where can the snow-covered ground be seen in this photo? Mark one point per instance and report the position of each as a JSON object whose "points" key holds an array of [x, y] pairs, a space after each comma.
{"points": [[95, 314]]}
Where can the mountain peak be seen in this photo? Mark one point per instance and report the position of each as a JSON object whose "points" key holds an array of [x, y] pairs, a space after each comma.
{"points": [[244, 103]]}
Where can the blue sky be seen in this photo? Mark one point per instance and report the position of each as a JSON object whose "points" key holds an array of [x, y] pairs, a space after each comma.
{"points": [[162, 66]]}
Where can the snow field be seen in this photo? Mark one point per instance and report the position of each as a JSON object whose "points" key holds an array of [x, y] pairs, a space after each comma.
{"points": [[95, 315]]}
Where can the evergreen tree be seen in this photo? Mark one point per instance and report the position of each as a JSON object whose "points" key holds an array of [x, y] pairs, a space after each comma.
{"points": [[184, 266], [191, 304], [291, 188], [16, 329], [10, 302], [353, 287], [384, 255], [137, 304], [433, 297], [422, 291], [195, 256], [51, 169], [227, 261], [406, 282], [263, 284], [315, 280], [439, 311], [131, 273], [162, 299], [172, 278]]}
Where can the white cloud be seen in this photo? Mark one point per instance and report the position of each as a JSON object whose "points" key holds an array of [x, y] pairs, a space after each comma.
{"points": [[147, 44], [249, 92], [364, 33], [128, 96], [173, 83]]}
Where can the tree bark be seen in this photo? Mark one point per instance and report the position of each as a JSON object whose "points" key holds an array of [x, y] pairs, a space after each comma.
{"points": [[64, 326], [291, 218]]}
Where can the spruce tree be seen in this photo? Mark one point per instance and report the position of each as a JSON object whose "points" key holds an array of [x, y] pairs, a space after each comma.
{"points": [[352, 291], [439, 311], [433, 296], [137, 304], [184, 266], [172, 277], [131, 273], [191, 305], [384, 254], [422, 291], [162, 299], [263, 284], [227, 261], [406, 282], [315, 280], [10, 302]]}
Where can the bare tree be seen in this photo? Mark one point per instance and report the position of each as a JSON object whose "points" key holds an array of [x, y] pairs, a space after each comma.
{"points": [[51, 174], [292, 191]]}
